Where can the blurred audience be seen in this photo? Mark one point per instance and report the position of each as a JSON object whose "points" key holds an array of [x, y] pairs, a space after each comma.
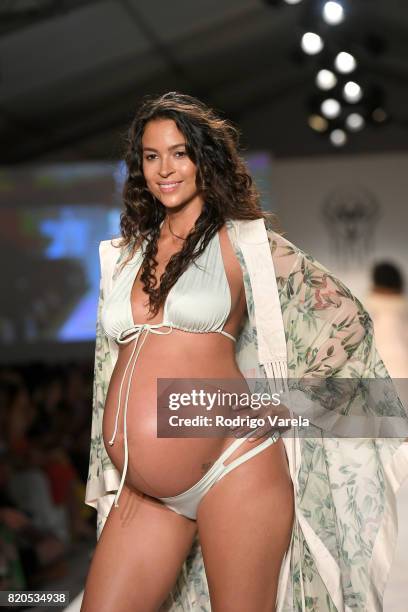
{"points": [[45, 415]]}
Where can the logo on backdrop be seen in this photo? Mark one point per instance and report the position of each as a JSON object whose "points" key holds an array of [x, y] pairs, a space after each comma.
{"points": [[351, 215]]}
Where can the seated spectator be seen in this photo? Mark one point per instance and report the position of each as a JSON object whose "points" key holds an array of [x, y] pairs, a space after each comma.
{"points": [[26, 552]]}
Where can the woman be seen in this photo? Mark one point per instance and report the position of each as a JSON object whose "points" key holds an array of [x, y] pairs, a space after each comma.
{"points": [[185, 179], [165, 543]]}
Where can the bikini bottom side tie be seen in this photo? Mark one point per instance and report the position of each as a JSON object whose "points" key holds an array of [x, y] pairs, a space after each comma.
{"points": [[187, 503]]}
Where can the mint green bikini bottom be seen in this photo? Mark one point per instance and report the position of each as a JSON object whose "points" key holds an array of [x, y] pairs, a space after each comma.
{"points": [[187, 503]]}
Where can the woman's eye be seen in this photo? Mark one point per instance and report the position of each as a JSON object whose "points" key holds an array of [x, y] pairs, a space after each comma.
{"points": [[150, 156], [180, 153]]}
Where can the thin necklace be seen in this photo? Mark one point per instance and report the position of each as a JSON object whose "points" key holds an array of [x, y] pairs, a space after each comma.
{"points": [[171, 231]]}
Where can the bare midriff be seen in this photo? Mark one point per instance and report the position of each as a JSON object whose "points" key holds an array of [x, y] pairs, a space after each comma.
{"points": [[162, 467]]}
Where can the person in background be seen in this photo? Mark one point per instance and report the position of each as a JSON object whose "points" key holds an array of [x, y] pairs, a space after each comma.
{"points": [[388, 307], [27, 554]]}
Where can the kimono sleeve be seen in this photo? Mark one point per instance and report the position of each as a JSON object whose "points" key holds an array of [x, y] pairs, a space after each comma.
{"points": [[103, 477], [344, 386], [324, 323], [93, 488]]}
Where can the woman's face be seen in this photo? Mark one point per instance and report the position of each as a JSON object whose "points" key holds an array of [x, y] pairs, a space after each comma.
{"points": [[169, 173]]}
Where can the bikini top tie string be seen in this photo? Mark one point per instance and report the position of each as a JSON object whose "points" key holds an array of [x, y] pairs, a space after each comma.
{"points": [[125, 337]]}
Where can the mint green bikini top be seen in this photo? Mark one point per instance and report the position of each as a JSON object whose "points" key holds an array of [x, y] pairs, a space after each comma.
{"points": [[199, 301]]}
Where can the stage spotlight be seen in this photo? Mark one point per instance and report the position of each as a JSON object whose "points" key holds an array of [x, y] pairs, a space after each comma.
{"points": [[293, 1], [355, 122], [352, 92], [345, 62], [311, 43], [333, 13], [318, 123], [338, 137], [379, 115], [326, 79], [330, 108]]}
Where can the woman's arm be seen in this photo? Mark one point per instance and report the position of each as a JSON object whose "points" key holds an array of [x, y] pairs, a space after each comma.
{"points": [[333, 360]]}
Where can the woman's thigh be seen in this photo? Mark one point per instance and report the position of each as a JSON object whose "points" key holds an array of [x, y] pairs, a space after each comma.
{"points": [[245, 525], [138, 556]]}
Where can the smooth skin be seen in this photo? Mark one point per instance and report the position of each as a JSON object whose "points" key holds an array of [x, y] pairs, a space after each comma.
{"points": [[244, 522]]}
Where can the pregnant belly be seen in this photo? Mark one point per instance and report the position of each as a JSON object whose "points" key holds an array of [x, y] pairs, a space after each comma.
{"points": [[162, 467]]}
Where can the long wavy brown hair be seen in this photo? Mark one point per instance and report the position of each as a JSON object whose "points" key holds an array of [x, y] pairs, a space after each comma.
{"points": [[222, 179]]}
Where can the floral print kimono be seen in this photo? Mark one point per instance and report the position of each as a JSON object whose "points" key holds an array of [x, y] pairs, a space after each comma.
{"points": [[302, 322]]}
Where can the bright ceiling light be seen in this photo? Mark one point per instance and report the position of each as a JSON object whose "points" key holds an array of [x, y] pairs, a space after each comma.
{"points": [[338, 138], [333, 13], [345, 62], [326, 79], [318, 123], [312, 43], [355, 122], [330, 108], [293, 1], [352, 92]]}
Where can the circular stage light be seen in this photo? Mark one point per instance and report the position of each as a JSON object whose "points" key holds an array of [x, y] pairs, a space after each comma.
{"points": [[338, 138], [326, 79], [352, 92], [355, 122], [345, 62], [379, 115], [330, 108], [333, 13], [312, 43], [318, 123]]}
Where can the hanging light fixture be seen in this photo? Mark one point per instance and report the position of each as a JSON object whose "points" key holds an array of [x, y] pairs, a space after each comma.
{"points": [[333, 13], [345, 62], [338, 137], [318, 123], [330, 108], [352, 92], [355, 122], [312, 43], [326, 79]]}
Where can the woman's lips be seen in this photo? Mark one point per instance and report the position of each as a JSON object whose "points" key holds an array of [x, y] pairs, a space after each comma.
{"points": [[169, 187]]}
